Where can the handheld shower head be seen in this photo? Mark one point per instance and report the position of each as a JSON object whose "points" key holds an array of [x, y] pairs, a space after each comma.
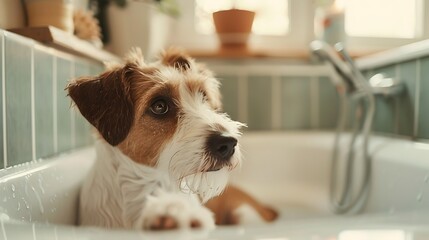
{"points": [[342, 197], [326, 53]]}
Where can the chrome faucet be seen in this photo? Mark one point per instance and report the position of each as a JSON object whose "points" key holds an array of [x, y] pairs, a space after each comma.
{"points": [[351, 86], [352, 77]]}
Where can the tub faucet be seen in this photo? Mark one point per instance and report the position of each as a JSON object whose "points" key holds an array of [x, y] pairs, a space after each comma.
{"points": [[343, 78], [351, 86], [349, 74]]}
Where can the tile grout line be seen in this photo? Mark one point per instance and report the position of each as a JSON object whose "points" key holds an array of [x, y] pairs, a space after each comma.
{"points": [[33, 111], [276, 102], [4, 101], [417, 100], [71, 110], [242, 97], [314, 101], [54, 103]]}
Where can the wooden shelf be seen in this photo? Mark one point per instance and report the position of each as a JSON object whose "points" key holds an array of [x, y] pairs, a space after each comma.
{"points": [[249, 54], [260, 54], [66, 42]]}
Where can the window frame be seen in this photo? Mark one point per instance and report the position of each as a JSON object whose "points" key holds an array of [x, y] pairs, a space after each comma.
{"points": [[301, 33]]}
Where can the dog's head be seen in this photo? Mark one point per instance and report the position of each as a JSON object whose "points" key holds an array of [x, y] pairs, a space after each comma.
{"points": [[165, 115]]}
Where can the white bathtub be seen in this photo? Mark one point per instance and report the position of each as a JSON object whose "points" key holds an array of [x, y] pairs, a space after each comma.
{"points": [[288, 170]]}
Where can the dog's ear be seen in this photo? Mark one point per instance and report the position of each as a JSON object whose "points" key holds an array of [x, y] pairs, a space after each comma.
{"points": [[176, 58], [135, 57], [105, 101]]}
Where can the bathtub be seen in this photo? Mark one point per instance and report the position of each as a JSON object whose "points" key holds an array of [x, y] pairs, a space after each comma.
{"points": [[287, 170]]}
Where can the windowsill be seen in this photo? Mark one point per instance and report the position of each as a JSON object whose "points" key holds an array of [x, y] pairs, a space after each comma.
{"points": [[249, 54], [232, 54]]}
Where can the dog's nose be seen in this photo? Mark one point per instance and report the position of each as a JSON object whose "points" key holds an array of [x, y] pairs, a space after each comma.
{"points": [[221, 147]]}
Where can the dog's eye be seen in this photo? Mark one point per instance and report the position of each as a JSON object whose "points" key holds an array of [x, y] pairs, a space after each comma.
{"points": [[159, 107]]}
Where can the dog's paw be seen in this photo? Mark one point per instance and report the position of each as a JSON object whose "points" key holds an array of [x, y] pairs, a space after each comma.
{"points": [[174, 211]]}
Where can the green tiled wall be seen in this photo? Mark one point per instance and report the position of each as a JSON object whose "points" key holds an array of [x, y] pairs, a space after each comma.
{"points": [[296, 105], [81, 125], [328, 104], [406, 102], [311, 102], [64, 114], [229, 89], [43, 102], [423, 121], [305, 101], [385, 113], [18, 99], [39, 119], [2, 163], [259, 100], [408, 114]]}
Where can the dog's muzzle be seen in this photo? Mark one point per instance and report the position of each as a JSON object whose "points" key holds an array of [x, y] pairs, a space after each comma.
{"points": [[221, 148]]}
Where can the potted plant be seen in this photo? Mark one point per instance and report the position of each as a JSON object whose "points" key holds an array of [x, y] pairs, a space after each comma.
{"points": [[233, 27]]}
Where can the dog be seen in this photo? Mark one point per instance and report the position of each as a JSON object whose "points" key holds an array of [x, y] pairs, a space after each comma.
{"points": [[164, 148]]}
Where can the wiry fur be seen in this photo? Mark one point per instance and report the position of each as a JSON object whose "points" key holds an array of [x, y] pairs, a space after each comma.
{"points": [[185, 156], [126, 189]]}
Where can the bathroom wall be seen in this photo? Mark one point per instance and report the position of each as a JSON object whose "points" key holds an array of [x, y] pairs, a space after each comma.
{"points": [[407, 115], [36, 118], [282, 96], [277, 95]]}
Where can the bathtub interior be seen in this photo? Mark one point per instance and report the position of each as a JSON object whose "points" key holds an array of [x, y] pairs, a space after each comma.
{"points": [[45, 191], [289, 171]]}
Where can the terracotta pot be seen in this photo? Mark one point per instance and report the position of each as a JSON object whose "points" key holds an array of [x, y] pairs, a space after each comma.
{"points": [[233, 27], [11, 14], [57, 13]]}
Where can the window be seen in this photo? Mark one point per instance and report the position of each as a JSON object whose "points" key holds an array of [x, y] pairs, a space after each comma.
{"points": [[272, 16], [287, 25], [382, 18]]}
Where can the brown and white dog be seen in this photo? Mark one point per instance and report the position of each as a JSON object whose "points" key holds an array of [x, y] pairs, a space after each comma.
{"points": [[165, 147]]}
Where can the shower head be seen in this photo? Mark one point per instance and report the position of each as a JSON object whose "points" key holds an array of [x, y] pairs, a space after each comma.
{"points": [[327, 53]]}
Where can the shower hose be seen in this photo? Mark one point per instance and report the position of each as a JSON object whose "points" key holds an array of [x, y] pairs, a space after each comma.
{"points": [[344, 199]]}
